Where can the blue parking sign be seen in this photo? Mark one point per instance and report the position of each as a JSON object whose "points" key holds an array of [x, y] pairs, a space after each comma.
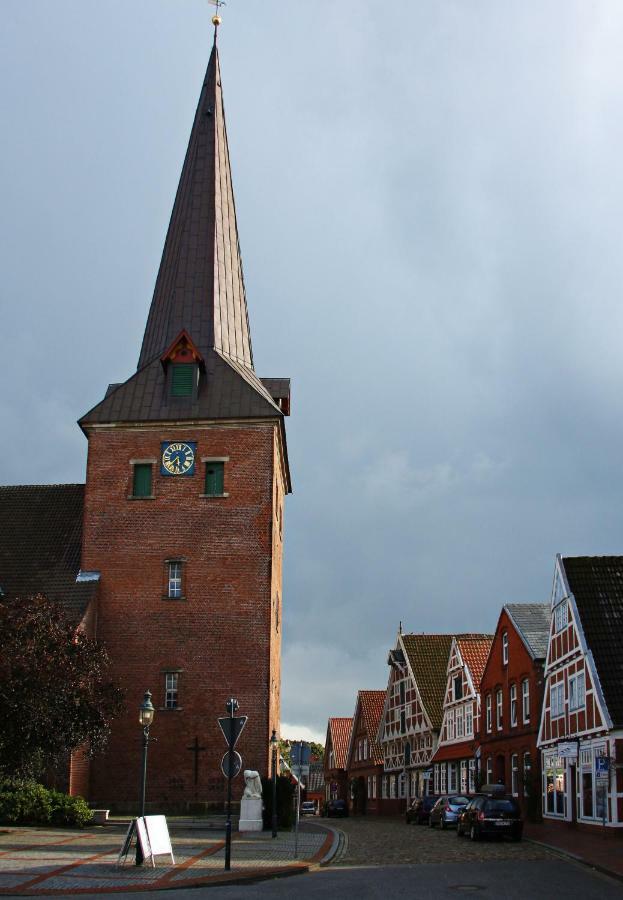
{"points": [[602, 766]]}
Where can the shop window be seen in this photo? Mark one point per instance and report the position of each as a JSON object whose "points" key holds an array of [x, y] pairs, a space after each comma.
{"points": [[554, 779]]}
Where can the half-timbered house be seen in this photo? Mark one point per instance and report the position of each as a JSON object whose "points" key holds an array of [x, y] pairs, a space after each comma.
{"points": [[335, 754], [365, 758], [412, 713], [454, 762], [511, 693], [581, 729]]}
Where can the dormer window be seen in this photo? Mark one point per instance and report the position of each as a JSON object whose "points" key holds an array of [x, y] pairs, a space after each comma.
{"points": [[182, 363], [183, 379]]}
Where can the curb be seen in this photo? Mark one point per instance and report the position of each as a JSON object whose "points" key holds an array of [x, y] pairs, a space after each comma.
{"points": [[567, 854]]}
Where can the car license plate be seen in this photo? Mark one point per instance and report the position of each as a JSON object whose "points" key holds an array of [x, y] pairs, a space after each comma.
{"points": [[502, 823]]}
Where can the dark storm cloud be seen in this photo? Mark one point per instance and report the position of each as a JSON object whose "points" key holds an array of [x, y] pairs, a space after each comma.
{"points": [[429, 203]]}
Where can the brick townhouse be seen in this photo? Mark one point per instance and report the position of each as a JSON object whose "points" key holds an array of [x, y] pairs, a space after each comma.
{"points": [[364, 761], [335, 758]]}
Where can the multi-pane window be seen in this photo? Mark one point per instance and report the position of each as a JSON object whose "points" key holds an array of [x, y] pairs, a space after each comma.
{"points": [[442, 778], [450, 725], [489, 712], [215, 478], [527, 767], [457, 687], [513, 698], [436, 778], [171, 683], [459, 723], [515, 774], [469, 721], [498, 709], [472, 777], [557, 700], [452, 777], [489, 770], [525, 700], [576, 691], [141, 480], [505, 648], [174, 579], [561, 616]]}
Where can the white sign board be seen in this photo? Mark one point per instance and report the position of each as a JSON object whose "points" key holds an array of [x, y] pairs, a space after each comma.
{"points": [[567, 750], [158, 835]]}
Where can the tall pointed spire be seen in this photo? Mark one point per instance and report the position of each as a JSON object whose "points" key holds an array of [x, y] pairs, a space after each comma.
{"points": [[200, 285]]}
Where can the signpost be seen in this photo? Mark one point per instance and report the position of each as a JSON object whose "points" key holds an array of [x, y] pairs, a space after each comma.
{"points": [[231, 726]]}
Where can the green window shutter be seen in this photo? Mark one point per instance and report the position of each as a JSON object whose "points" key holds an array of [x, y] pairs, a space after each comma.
{"points": [[142, 480], [215, 480], [182, 379]]}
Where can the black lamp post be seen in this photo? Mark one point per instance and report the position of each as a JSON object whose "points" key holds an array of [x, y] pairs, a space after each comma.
{"points": [[273, 744], [145, 717]]}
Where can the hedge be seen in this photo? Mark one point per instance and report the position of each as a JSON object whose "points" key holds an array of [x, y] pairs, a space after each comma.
{"points": [[30, 803]]}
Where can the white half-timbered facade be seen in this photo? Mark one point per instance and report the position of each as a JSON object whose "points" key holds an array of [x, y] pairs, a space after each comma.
{"points": [[581, 728], [411, 719], [454, 762]]}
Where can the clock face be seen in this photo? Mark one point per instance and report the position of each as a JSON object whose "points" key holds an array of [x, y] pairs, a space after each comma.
{"points": [[178, 458]]}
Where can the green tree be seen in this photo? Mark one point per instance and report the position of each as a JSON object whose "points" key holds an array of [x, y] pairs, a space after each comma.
{"points": [[56, 694]]}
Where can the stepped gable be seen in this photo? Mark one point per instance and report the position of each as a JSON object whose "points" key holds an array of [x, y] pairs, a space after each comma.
{"points": [[41, 527]]}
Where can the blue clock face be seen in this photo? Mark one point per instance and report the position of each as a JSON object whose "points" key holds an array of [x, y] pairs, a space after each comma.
{"points": [[178, 458]]}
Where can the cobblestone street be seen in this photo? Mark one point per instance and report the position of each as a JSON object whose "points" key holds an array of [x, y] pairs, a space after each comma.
{"points": [[386, 842]]}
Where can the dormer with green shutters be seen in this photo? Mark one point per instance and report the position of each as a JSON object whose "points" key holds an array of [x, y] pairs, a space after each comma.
{"points": [[183, 366]]}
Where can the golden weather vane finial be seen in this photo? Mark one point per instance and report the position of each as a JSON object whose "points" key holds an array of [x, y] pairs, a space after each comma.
{"points": [[216, 19]]}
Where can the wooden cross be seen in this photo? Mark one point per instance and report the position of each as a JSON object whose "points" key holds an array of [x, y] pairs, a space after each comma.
{"points": [[196, 749]]}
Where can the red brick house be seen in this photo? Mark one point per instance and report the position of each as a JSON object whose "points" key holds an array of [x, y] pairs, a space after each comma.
{"points": [[454, 762], [364, 762], [511, 692], [182, 521], [581, 728], [412, 715], [335, 758]]}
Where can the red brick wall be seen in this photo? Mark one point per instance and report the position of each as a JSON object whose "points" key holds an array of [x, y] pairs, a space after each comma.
{"points": [[222, 637], [500, 745]]}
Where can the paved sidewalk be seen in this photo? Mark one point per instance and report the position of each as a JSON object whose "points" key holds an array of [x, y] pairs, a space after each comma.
{"points": [[40, 861], [603, 851]]}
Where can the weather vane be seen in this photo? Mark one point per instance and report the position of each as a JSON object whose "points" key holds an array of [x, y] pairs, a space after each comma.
{"points": [[216, 19]]}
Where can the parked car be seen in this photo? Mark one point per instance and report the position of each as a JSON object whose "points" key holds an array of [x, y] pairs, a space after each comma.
{"points": [[419, 810], [337, 808], [485, 815], [446, 810], [308, 808]]}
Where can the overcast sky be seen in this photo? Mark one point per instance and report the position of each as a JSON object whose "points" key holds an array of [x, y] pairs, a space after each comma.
{"points": [[429, 200]]}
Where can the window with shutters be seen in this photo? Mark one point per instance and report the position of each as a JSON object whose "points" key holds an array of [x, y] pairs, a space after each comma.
{"points": [[214, 483], [142, 479], [183, 379]]}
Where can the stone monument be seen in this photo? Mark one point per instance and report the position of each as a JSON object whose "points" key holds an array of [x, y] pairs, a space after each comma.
{"points": [[251, 805]]}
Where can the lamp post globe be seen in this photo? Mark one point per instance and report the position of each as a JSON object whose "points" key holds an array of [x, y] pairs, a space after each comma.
{"points": [[146, 713]]}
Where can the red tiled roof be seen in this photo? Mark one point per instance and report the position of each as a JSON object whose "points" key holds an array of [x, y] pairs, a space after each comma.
{"points": [[464, 750], [339, 731], [372, 703], [474, 649]]}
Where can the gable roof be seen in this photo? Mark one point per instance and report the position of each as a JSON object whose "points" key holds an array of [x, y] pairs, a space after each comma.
{"points": [[532, 622], [40, 545], [596, 583], [474, 649], [338, 732], [369, 707], [427, 655]]}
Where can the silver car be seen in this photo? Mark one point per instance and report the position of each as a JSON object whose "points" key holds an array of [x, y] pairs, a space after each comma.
{"points": [[446, 810]]}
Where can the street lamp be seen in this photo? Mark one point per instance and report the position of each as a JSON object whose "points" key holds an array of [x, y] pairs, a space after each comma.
{"points": [[145, 717], [274, 740]]}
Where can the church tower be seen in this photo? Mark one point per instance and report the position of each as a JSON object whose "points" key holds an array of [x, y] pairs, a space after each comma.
{"points": [[183, 516]]}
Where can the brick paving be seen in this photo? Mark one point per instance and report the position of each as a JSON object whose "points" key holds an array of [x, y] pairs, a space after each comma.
{"points": [[384, 841], [38, 861]]}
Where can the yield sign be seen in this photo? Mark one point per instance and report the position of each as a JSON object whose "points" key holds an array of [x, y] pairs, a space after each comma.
{"points": [[232, 726]]}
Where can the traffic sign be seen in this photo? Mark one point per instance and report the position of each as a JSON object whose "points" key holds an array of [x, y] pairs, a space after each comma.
{"points": [[231, 764], [299, 753], [602, 766], [232, 726]]}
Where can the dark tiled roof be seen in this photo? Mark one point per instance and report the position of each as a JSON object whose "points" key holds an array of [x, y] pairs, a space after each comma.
{"points": [[428, 657], [596, 582], [474, 649], [200, 286], [315, 780], [40, 543], [532, 621]]}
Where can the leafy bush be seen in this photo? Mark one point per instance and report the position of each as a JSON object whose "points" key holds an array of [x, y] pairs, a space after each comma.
{"points": [[29, 803]]}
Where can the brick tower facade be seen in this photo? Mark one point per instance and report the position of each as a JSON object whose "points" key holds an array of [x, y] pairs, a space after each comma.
{"points": [[183, 512]]}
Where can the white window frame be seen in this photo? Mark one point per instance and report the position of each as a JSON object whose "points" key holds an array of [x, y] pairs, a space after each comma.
{"points": [[384, 787], [442, 778], [489, 708], [463, 785], [469, 721], [505, 648], [557, 700], [561, 616], [472, 776], [436, 779], [453, 778], [174, 579], [499, 709], [489, 769], [171, 690], [577, 691], [450, 724], [459, 722], [513, 699], [525, 700]]}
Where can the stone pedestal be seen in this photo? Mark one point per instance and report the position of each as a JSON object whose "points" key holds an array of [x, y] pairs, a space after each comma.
{"points": [[250, 814]]}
